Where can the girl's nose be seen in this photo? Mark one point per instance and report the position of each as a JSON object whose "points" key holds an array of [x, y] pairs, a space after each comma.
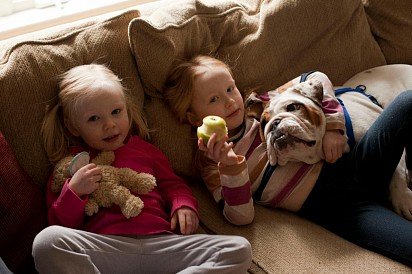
{"points": [[229, 102], [109, 124]]}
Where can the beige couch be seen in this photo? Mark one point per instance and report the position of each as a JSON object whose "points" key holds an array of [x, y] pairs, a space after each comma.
{"points": [[265, 42]]}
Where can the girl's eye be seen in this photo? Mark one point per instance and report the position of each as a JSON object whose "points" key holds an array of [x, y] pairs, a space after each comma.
{"points": [[116, 111], [292, 107], [230, 89], [214, 99], [93, 118]]}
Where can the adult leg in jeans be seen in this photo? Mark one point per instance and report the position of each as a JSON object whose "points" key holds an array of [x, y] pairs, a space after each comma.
{"points": [[375, 157], [341, 200], [378, 153]]}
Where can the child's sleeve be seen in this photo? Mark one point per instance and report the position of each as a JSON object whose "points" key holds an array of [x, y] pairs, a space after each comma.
{"points": [[175, 190], [231, 186], [335, 118], [65, 208]]}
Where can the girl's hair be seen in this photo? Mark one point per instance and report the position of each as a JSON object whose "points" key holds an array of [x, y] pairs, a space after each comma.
{"points": [[179, 86], [75, 85]]}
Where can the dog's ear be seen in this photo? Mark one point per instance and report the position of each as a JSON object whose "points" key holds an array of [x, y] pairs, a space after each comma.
{"points": [[264, 118], [312, 89], [255, 104]]}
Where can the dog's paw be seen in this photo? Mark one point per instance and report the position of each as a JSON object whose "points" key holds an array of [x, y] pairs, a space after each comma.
{"points": [[402, 202]]}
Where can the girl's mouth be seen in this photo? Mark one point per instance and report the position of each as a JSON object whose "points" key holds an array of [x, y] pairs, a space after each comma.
{"points": [[234, 113], [111, 138]]}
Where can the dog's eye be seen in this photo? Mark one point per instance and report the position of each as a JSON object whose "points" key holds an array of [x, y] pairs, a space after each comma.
{"points": [[292, 107]]}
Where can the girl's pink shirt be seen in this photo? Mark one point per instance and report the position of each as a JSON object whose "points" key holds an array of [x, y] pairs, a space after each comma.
{"points": [[170, 194]]}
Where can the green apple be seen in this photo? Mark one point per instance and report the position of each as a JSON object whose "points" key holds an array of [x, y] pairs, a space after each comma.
{"points": [[212, 124]]}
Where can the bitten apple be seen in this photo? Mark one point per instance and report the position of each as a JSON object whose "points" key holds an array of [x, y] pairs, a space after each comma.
{"points": [[212, 124]]}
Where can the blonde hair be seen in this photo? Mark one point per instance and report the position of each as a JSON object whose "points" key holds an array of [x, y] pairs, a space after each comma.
{"points": [[179, 86], [75, 85]]}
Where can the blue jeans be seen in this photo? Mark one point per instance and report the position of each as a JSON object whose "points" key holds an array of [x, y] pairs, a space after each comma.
{"points": [[350, 197]]}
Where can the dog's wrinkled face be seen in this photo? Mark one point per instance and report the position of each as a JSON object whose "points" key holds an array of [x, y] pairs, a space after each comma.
{"points": [[293, 124]]}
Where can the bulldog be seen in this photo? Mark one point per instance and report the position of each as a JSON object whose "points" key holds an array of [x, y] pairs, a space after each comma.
{"points": [[293, 123]]}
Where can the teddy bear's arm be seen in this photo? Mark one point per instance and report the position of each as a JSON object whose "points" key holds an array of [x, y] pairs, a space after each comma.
{"points": [[137, 182], [91, 207]]}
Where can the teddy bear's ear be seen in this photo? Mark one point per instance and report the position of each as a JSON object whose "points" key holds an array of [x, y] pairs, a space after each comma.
{"points": [[60, 174]]}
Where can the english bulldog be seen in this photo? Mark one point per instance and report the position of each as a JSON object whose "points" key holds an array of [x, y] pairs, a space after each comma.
{"points": [[293, 123]]}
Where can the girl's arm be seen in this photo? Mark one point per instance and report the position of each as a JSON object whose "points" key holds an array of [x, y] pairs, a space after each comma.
{"points": [[335, 119], [230, 186], [335, 140], [173, 188], [65, 208]]}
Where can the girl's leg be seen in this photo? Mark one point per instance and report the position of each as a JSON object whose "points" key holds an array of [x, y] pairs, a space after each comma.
{"points": [[377, 154], [58, 249]]}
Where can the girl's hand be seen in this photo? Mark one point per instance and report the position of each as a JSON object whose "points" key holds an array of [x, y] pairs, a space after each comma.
{"points": [[188, 220], [333, 145], [85, 180], [220, 151]]}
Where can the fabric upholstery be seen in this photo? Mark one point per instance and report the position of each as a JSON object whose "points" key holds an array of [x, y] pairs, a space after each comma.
{"points": [[282, 243], [22, 212], [391, 24], [28, 79], [265, 42]]}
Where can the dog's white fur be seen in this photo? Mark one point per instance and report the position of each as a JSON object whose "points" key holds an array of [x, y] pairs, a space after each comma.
{"points": [[293, 135], [284, 130]]}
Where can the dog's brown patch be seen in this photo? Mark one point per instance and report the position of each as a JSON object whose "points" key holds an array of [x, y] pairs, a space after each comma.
{"points": [[313, 115], [284, 87]]}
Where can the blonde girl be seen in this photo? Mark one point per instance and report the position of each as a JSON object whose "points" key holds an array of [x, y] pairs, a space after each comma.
{"points": [[93, 113], [347, 193]]}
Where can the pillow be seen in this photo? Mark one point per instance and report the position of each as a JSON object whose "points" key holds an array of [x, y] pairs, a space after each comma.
{"points": [[266, 42], [22, 212], [28, 81], [391, 24]]}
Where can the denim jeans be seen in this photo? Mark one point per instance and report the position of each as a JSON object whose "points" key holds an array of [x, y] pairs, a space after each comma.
{"points": [[350, 197]]}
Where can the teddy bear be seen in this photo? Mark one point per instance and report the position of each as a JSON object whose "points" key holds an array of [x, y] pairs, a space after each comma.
{"points": [[114, 187]]}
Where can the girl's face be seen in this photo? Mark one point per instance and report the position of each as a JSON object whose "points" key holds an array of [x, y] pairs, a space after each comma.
{"points": [[215, 93], [101, 121]]}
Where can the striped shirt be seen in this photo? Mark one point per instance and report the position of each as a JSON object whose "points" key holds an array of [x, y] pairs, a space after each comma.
{"points": [[253, 179]]}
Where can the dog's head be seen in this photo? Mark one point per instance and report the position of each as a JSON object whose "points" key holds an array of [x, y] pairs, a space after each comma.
{"points": [[293, 123]]}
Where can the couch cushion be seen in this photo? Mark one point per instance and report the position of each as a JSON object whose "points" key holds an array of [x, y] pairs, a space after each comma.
{"points": [[22, 212], [28, 71], [391, 24], [266, 43], [282, 242]]}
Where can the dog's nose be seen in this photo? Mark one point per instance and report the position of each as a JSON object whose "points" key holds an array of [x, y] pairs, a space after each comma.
{"points": [[274, 124]]}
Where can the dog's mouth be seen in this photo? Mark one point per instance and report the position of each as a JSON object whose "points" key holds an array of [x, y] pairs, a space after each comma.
{"points": [[282, 140]]}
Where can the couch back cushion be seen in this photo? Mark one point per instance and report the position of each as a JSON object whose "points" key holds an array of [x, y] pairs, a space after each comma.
{"points": [[28, 81], [391, 24], [265, 42]]}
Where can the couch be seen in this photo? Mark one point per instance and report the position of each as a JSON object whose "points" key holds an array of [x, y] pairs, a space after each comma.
{"points": [[265, 42]]}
